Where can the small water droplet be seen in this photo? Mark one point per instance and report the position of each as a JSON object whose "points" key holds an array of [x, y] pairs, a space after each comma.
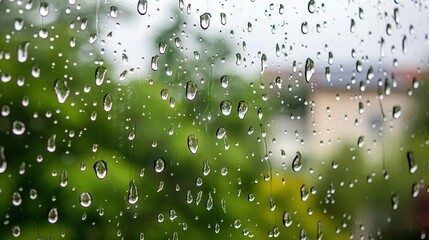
{"points": [[238, 59], [319, 231], [206, 168], [113, 11], [133, 194], [23, 51], [304, 192], [360, 108], [263, 63], [297, 162], [64, 179], [415, 190], [224, 80], [159, 165], [226, 107], [123, 75], [154, 63], [328, 74], [51, 146], [272, 203], [3, 163], [304, 27], [360, 141], [191, 90], [205, 20], [100, 168], [53, 215], [209, 203], [249, 27], [361, 13], [192, 143], [311, 6], [352, 26], [142, 7], [61, 90], [309, 69], [85, 199], [396, 111], [162, 47], [100, 74], [189, 197], [287, 219], [44, 9], [18, 127], [16, 199], [412, 166], [395, 201], [164, 94], [107, 102], [223, 18], [396, 15], [281, 9], [19, 24], [404, 44], [242, 109]]}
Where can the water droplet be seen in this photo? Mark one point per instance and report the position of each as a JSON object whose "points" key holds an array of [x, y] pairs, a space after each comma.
{"points": [[319, 231], [159, 165], [281, 9], [16, 199], [389, 30], [107, 102], [142, 7], [164, 94], [113, 11], [287, 219], [238, 59], [191, 90], [396, 111], [361, 13], [223, 18], [205, 20], [352, 26], [61, 90], [309, 69], [3, 163], [100, 74], [396, 15], [328, 74], [154, 63], [404, 44], [224, 80], [360, 141], [226, 107], [100, 168], [220, 133], [360, 108], [206, 168], [249, 27], [237, 223], [304, 192], [415, 190], [209, 203], [311, 6], [16, 231], [18, 127], [133, 194], [123, 75], [297, 162], [23, 51], [395, 201], [53, 215], [330, 58], [43, 33], [44, 9], [412, 166], [85, 199], [162, 47], [263, 63], [19, 24], [242, 109], [192, 143], [272, 203], [304, 27], [64, 179], [189, 197], [51, 143]]}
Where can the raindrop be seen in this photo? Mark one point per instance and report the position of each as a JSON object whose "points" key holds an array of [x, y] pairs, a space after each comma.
{"points": [[189, 197], [18, 127], [404, 45], [309, 69], [107, 102], [51, 143], [224, 80], [159, 165], [304, 27], [297, 162], [311, 6], [226, 107], [164, 94], [142, 7], [205, 20], [192, 143], [133, 194], [100, 168], [113, 11], [223, 18], [53, 215], [154, 63], [304, 192], [123, 75], [360, 141], [23, 51], [242, 109], [263, 62], [361, 13], [220, 133], [44, 9], [16, 199], [415, 189], [3, 163], [319, 230], [249, 27], [191, 90], [16, 231], [64, 179], [360, 108], [100, 74], [209, 203], [61, 90], [396, 111], [272, 204], [395, 201], [281, 9], [287, 219], [162, 47], [328, 74], [389, 29], [330, 58], [19, 24], [352, 26], [238, 59], [412, 166], [206, 168], [396, 15], [85, 199]]}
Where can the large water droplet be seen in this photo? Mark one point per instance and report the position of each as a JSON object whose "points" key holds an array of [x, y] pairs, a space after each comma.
{"points": [[23, 51], [209, 203], [226, 107], [191, 90], [404, 44], [396, 15], [18, 127], [61, 90], [44, 9], [205, 20], [159, 165], [19, 24], [3, 163], [242, 109], [154, 63], [396, 113], [206, 168], [16, 199], [220, 133], [223, 18], [107, 102], [142, 7], [309, 69], [100, 168], [133, 194], [113, 11], [311, 6], [51, 146], [304, 192], [53, 215], [360, 141], [352, 26], [224, 80], [319, 231], [64, 179], [287, 219], [189, 197], [192, 143], [304, 27], [162, 47], [100, 74], [412, 166], [297, 162], [328, 74]]}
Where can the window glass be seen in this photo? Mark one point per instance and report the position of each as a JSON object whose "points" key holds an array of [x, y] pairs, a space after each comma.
{"points": [[214, 119]]}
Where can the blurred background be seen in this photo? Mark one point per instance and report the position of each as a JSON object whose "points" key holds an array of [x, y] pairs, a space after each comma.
{"points": [[188, 120]]}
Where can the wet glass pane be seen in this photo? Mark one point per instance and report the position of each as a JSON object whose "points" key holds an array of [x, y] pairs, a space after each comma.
{"points": [[222, 120]]}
